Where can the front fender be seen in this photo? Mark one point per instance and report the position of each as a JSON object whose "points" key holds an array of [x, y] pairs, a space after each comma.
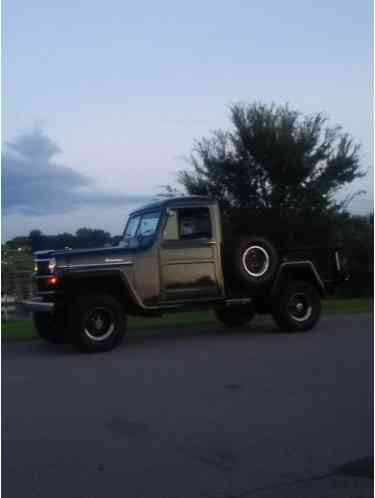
{"points": [[113, 280]]}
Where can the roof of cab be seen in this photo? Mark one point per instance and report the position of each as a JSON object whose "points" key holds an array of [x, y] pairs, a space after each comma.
{"points": [[193, 200]]}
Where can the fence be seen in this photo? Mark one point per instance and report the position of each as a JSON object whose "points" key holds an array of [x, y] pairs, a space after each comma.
{"points": [[16, 287]]}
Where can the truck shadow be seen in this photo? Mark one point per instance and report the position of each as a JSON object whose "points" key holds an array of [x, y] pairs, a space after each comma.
{"points": [[149, 338], [204, 330]]}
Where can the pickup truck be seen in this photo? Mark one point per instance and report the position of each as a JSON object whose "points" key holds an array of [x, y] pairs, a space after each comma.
{"points": [[173, 257]]}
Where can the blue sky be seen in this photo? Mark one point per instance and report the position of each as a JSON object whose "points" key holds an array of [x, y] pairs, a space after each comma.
{"points": [[117, 91]]}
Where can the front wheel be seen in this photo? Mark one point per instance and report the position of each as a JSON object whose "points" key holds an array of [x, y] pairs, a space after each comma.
{"points": [[98, 322], [297, 307]]}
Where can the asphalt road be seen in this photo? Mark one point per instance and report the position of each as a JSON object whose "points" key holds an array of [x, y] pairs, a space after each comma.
{"points": [[206, 413]]}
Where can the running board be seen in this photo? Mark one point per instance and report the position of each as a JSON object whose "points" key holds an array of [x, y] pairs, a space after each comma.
{"points": [[240, 300]]}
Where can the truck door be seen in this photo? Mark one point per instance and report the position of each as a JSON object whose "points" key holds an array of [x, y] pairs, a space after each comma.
{"points": [[189, 255]]}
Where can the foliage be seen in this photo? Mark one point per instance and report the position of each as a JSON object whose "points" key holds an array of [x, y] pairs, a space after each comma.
{"points": [[275, 170], [274, 159], [88, 237], [84, 238], [356, 237]]}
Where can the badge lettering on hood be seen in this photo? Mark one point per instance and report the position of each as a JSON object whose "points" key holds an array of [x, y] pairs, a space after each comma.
{"points": [[113, 260]]}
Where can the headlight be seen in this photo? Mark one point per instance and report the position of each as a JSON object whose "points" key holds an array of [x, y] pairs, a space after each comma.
{"points": [[52, 265]]}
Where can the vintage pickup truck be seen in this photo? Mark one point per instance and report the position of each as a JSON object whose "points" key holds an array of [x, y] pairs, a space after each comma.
{"points": [[172, 257]]}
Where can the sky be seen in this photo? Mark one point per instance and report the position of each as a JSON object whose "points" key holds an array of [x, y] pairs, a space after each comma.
{"points": [[102, 101]]}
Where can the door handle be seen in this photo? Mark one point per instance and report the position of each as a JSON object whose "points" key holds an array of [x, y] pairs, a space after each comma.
{"points": [[211, 243]]}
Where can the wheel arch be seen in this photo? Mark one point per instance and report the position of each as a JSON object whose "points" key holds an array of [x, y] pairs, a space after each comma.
{"points": [[298, 270], [111, 282]]}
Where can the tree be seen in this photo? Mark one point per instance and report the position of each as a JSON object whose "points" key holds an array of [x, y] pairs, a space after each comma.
{"points": [[275, 169], [63, 240], [37, 240], [89, 237], [17, 242]]}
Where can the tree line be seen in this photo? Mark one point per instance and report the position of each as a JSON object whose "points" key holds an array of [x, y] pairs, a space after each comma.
{"points": [[84, 238]]}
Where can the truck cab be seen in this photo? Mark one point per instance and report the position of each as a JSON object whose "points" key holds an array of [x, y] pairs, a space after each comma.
{"points": [[178, 246]]}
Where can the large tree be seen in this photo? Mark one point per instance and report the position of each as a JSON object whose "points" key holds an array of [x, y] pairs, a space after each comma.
{"points": [[276, 165]]}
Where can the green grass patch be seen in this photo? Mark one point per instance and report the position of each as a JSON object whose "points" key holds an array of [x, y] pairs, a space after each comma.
{"points": [[17, 330], [356, 305], [24, 329]]}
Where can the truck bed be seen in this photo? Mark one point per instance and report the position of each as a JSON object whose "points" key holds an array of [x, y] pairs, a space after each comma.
{"points": [[324, 260]]}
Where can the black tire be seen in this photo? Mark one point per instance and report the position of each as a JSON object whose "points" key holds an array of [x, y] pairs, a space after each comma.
{"points": [[297, 307], [256, 261], [235, 316], [50, 327], [97, 322]]}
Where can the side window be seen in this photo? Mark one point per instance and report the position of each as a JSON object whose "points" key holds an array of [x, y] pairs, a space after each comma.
{"points": [[188, 224], [194, 223]]}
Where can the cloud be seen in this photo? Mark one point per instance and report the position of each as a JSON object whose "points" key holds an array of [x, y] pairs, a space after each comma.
{"points": [[34, 184]]}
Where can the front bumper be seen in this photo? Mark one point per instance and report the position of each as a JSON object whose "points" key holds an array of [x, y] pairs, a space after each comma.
{"points": [[36, 304]]}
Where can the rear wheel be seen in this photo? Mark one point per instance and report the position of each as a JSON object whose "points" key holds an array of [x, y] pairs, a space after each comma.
{"points": [[98, 322], [50, 327], [235, 316], [297, 308]]}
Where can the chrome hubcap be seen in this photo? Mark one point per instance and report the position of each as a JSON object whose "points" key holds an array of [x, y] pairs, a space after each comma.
{"points": [[256, 261], [299, 307], [99, 324]]}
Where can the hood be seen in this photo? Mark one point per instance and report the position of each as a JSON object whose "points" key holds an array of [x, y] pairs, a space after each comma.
{"points": [[98, 255]]}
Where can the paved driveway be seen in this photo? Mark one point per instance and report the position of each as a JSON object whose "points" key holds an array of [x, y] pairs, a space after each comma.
{"points": [[203, 413]]}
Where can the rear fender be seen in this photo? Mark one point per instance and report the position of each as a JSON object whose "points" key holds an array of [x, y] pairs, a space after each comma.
{"points": [[298, 270]]}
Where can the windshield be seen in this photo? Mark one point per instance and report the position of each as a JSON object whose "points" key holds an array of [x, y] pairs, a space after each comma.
{"points": [[140, 230]]}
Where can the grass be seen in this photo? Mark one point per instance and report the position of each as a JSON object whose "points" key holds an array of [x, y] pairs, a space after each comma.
{"points": [[355, 305], [24, 329]]}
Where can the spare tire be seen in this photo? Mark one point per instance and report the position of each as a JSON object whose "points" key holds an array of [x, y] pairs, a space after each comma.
{"points": [[256, 260]]}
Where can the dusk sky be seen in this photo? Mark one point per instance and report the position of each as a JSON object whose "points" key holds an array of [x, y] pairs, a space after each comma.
{"points": [[103, 100]]}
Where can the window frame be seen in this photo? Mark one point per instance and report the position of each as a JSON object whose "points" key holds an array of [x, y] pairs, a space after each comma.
{"points": [[177, 210], [154, 235]]}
